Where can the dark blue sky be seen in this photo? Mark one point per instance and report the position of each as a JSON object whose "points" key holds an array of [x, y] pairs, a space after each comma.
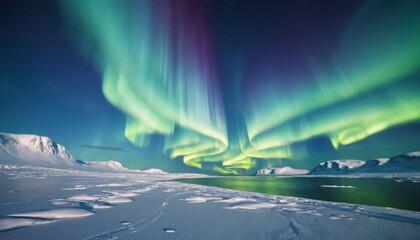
{"points": [[48, 88]]}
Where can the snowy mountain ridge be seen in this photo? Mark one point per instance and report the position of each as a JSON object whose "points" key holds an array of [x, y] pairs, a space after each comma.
{"points": [[405, 163], [409, 162], [337, 166]]}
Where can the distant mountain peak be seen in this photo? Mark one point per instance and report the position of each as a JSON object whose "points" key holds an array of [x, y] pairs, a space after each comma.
{"points": [[338, 166], [107, 165], [154, 171], [284, 171], [413, 154]]}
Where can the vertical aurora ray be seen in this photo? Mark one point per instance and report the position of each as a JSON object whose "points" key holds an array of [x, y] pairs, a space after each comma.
{"points": [[157, 69]]}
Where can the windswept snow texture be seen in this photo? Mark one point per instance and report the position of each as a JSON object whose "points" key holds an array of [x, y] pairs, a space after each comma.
{"points": [[140, 205], [285, 171]]}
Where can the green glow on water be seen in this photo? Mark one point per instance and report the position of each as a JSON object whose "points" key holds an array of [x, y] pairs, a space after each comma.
{"points": [[375, 192]]}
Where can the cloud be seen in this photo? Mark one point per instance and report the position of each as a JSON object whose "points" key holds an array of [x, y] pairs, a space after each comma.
{"points": [[117, 149]]}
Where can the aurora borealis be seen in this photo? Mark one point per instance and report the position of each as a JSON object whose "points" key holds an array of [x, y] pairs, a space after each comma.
{"points": [[228, 86]]}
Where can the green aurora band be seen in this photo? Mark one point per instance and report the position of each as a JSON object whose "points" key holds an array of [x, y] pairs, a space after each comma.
{"points": [[158, 69], [370, 86]]}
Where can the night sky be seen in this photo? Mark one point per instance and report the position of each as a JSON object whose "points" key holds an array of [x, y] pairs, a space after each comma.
{"points": [[223, 87]]}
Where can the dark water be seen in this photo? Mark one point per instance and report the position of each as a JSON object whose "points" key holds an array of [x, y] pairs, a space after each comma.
{"points": [[375, 192]]}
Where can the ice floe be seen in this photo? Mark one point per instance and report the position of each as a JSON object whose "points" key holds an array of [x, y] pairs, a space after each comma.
{"points": [[337, 186]]}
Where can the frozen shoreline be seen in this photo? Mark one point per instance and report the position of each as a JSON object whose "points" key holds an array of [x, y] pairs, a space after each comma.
{"points": [[47, 203]]}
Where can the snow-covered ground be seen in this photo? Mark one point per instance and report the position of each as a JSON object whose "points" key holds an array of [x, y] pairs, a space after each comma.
{"points": [[47, 203], [46, 194]]}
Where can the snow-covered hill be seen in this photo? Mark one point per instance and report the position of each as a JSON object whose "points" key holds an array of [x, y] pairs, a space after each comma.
{"points": [[285, 171], [111, 165], [40, 151], [25, 149]]}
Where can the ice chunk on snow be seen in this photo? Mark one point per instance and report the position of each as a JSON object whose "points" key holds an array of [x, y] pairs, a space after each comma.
{"points": [[235, 200], [121, 193], [83, 198], [169, 230], [116, 200], [55, 213], [201, 199], [253, 206], [77, 187]]}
